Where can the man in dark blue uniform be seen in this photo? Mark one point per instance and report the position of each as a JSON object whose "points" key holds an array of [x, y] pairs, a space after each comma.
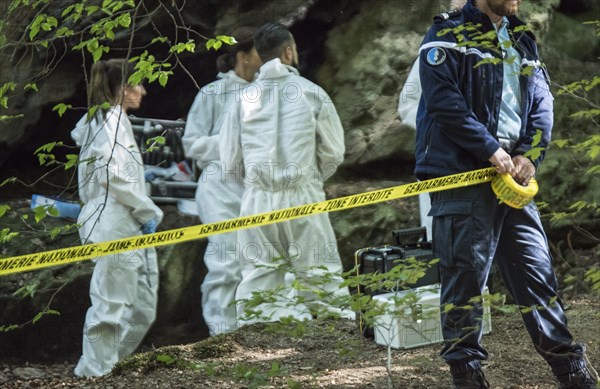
{"points": [[470, 116]]}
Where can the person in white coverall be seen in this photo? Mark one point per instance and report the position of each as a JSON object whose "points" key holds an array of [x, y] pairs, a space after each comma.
{"points": [[123, 288], [407, 112], [287, 137], [219, 192]]}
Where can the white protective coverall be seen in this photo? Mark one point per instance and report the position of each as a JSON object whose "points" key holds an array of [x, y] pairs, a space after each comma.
{"points": [[288, 138], [218, 198], [124, 286], [410, 95]]}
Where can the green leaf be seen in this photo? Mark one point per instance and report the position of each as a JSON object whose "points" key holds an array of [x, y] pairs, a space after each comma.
{"points": [[64, 31], [534, 153], [525, 310], [561, 143], [166, 359], [578, 205], [92, 111], [158, 139], [506, 308], [92, 45], [522, 28], [527, 71], [10, 327], [71, 161], [5, 118], [190, 46], [46, 159], [61, 108], [3, 209], [91, 9], [53, 211], [67, 10], [593, 152], [39, 213], [227, 39], [9, 180], [493, 61], [570, 279], [593, 170], [33, 32], [80, 45], [94, 108], [38, 317], [48, 147], [6, 235], [117, 6], [54, 232], [97, 53], [9, 86], [444, 32], [586, 114], [27, 290], [135, 78], [163, 78], [210, 43], [160, 39], [125, 20], [32, 86]]}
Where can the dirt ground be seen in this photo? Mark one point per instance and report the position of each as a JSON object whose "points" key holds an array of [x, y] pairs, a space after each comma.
{"points": [[330, 354]]}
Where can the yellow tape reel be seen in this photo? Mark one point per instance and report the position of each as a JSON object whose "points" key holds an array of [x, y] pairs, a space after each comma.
{"points": [[513, 194]]}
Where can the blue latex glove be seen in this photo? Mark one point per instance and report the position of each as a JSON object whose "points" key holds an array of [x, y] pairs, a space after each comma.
{"points": [[149, 227]]}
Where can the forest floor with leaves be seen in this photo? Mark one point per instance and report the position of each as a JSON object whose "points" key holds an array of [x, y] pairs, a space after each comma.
{"points": [[331, 354], [327, 354]]}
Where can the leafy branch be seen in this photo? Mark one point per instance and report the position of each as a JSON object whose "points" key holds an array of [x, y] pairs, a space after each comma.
{"points": [[93, 26], [28, 291]]}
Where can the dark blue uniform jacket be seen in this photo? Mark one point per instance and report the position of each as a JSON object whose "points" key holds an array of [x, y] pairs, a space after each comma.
{"points": [[458, 113]]}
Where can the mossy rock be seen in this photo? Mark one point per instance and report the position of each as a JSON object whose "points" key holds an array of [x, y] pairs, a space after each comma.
{"points": [[186, 356]]}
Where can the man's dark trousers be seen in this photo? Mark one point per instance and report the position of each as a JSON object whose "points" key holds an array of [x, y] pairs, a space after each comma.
{"points": [[471, 228]]}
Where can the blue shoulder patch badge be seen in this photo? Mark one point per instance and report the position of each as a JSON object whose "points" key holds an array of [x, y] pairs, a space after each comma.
{"points": [[436, 56]]}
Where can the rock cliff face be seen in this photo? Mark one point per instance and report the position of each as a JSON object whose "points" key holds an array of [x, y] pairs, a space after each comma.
{"points": [[360, 52]]}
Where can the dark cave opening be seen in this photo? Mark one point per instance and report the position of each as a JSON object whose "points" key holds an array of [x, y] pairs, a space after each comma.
{"points": [[170, 102]]}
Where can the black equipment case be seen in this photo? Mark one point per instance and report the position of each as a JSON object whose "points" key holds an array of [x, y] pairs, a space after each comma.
{"points": [[174, 184], [410, 243]]}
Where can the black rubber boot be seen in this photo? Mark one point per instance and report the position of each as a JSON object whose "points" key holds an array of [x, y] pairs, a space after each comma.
{"points": [[580, 379], [473, 379]]}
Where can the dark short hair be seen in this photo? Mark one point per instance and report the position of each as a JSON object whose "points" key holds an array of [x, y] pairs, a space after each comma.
{"points": [[271, 39]]}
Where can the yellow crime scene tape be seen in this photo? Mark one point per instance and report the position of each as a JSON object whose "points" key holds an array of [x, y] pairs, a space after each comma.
{"points": [[79, 253]]}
